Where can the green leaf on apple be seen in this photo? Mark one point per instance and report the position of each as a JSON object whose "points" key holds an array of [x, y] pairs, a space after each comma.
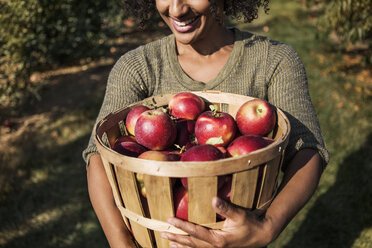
{"points": [[213, 107], [163, 110], [215, 141]]}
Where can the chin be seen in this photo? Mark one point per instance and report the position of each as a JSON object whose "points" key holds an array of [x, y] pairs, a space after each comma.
{"points": [[184, 40]]}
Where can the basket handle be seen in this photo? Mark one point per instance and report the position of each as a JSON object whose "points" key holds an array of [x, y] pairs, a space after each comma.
{"points": [[151, 223], [162, 226]]}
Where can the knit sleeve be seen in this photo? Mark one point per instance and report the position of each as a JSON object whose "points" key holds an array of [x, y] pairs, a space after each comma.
{"points": [[126, 84], [288, 90]]}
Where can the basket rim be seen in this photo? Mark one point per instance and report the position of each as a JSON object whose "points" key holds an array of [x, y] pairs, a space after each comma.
{"points": [[194, 169]]}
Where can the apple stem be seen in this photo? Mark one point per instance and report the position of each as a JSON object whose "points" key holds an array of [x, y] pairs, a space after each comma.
{"points": [[182, 149], [214, 108]]}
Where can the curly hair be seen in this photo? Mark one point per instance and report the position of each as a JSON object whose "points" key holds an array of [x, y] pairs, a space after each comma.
{"points": [[236, 9]]}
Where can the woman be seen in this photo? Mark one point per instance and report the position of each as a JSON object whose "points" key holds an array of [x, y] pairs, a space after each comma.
{"points": [[203, 54]]}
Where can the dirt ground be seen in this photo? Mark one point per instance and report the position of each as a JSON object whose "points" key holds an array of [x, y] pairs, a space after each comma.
{"points": [[42, 174]]}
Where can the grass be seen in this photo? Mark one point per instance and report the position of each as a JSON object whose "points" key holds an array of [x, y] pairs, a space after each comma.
{"points": [[43, 195]]}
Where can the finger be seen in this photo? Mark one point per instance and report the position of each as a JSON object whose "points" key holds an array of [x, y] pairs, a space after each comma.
{"points": [[177, 245], [197, 233], [183, 241], [228, 210]]}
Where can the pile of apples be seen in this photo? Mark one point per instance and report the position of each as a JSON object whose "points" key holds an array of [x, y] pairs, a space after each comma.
{"points": [[187, 131]]}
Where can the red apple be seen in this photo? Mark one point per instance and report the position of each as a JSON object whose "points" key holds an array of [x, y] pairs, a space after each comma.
{"points": [[185, 133], [200, 153], [125, 138], [149, 155], [128, 148], [186, 105], [215, 128], [246, 144], [134, 113], [154, 155], [173, 155], [155, 130], [257, 117], [222, 150], [180, 200]]}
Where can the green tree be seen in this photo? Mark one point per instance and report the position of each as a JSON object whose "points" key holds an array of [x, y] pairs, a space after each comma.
{"points": [[39, 33], [349, 20]]}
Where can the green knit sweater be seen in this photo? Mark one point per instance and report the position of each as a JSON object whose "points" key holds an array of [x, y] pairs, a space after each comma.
{"points": [[257, 67]]}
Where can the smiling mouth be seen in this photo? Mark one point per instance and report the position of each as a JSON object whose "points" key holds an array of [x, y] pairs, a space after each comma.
{"points": [[187, 22], [185, 26]]}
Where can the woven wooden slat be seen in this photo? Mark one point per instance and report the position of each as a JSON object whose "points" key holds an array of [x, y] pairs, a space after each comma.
{"points": [[130, 195], [201, 191], [160, 201], [243, 188]]}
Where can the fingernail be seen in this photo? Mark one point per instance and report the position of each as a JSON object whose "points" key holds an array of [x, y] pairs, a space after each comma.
{"points": [[171, 221], [172, 245], [164, 235]]}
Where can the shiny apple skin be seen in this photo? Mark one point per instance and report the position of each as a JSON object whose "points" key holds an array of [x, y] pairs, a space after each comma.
{"points": [[186, 105], [180, 199], [185, 132], [217, 129], [247, 144], [256, 117], [129, 148], [154, 155], [155, 130], [200, 153], [131, 119]]}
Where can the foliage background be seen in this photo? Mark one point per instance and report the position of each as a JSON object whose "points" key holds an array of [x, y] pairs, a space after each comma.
{"points": [[40, 34]]}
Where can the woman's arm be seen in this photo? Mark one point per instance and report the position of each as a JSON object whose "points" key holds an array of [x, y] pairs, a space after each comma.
{"points": [[243, 228], [102, 199], [125, 85], [299, 183]]}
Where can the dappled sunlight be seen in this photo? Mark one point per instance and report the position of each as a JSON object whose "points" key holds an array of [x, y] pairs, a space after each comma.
{"points": [[43, 190], [43, 199], [43, 182], [49, 200]]}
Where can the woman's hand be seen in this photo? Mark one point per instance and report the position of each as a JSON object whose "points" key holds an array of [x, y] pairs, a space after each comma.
{"points": [[242, 228]]}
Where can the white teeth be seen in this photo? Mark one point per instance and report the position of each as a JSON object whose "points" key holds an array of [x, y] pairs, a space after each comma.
{"points": [[185, 22]]}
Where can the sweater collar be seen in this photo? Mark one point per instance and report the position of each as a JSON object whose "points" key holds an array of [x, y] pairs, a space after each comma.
{"points": [[194, 85]]}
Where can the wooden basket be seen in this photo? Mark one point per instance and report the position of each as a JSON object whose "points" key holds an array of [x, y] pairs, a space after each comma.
{"points": [[255, 175]]}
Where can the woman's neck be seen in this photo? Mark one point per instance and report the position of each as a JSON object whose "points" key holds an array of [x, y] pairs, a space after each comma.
{"points": [[202, 62], [207, 45]]}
